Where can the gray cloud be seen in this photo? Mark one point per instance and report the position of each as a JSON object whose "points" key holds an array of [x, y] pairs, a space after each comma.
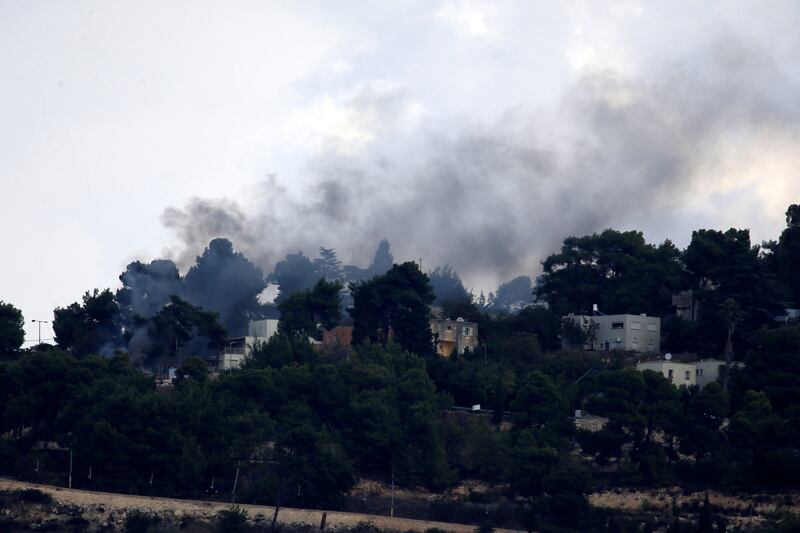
{"points": [[494, 200]]}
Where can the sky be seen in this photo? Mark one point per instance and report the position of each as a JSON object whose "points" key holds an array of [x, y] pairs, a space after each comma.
{"points": [[478, 134]]}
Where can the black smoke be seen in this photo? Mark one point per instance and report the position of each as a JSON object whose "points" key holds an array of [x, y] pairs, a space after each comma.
{"points": [[495, 200], [221, 280]]}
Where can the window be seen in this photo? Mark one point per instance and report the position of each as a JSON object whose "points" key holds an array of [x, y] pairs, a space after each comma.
{"points": [[669, 373], [652, 327], [688, 373], [636, 325], [467, 332], [617, 325]]}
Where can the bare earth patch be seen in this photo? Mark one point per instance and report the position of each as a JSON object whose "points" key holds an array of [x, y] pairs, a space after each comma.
{"points": [[105, 507]]}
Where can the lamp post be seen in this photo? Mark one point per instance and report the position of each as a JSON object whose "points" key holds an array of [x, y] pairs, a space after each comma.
{"points": [[40, 322]]}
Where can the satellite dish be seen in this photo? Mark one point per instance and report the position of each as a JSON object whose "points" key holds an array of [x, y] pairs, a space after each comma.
{"points": [[668, 356]]}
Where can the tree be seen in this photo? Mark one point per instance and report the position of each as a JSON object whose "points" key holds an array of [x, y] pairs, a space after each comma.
{"points": [[731, 314], [227, 283], [751, 427], [93, 327], [12, 329], [421, 458], [773, 368], [396, 303], [786, 255], [382, 261], [180, 322], [618, 271], [303, 312], [724, 265], [146, 288], [539, 404], [295, 273], [447, 286], [327, 265], [311, 469], [511, 296], [193, 368], [700, 436]]}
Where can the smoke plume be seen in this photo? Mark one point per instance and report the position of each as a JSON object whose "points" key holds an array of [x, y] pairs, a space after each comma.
{"points": [[494, 200]]}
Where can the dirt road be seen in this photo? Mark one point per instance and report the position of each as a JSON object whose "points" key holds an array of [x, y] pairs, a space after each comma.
{"points": [[103, 504]]}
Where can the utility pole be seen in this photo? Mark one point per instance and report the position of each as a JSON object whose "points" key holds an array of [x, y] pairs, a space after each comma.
{"points": [[40, 322], [235, 482], [391, 509], [70, 467]]}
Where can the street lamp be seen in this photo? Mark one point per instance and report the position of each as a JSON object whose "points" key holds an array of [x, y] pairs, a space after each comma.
{"points": [[40, 322]]}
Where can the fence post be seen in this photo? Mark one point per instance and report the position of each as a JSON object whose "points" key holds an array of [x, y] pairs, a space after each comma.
{"points": [[275, 517]]}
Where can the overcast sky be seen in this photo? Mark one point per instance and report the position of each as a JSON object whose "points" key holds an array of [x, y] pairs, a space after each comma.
{"points": [[474, 133]]}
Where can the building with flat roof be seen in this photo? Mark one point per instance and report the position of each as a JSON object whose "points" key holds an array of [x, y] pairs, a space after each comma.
{"points": [[454, 336], [680, 374], [640, 333], [237, 349], [708, 370], [699, 373]]}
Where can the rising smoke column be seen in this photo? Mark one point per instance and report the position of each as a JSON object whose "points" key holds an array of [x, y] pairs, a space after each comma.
{"points": [[494, 200]]}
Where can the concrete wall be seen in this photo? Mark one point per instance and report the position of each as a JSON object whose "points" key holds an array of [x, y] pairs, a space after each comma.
{"points": [[454, 336], [262, 328], [680, 374], [623, 332], [707, 371], [237, 349]]}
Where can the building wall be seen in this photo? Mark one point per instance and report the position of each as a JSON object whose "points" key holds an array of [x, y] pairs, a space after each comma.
{"points": [[454, 336], [680, 374], [707, 371], [623, 332], [340, 336], [265, 328], [237, 349]]}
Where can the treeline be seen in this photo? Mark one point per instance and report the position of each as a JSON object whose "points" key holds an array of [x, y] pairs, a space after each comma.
{"points": [[301, 427], [621, 273]]}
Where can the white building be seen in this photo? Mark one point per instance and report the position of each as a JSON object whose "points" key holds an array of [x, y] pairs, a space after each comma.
{"points": [[699, 373], [236, 349], [708, 370], [640, 333], [680, 374], [262, 329]]}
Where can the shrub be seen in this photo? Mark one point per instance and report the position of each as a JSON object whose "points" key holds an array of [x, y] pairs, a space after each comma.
{"points": [[138, 521], [33, 496], [232, 520]]}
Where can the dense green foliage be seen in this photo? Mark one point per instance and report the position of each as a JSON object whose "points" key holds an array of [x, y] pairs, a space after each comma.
{"points": [[89, 328], [12, 332], [298, 426], [394, 305], [616, 270], [303, 313]]}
